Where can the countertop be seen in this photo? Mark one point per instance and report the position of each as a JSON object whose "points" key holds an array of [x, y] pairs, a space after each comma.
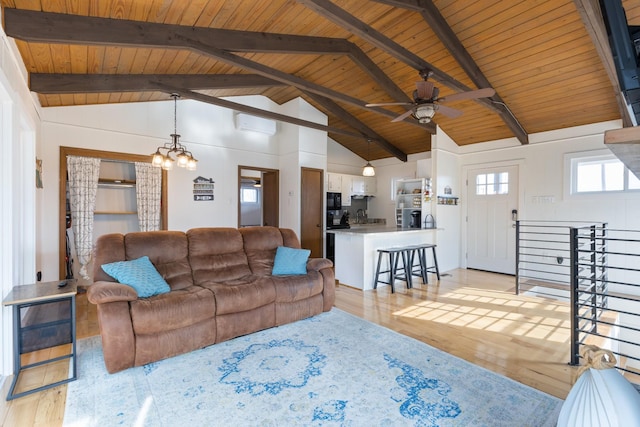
{"points": [[375, 229]]}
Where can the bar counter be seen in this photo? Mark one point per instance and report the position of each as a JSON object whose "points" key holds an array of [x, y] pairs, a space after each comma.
{"points": [[356, 250]]}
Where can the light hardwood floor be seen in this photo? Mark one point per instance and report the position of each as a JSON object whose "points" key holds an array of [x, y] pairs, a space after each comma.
{"points": [[471, 314]]}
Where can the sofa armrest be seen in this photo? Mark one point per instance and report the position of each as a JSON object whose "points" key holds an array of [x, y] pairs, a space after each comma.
{"points": [[104, 292], [317, 264]]}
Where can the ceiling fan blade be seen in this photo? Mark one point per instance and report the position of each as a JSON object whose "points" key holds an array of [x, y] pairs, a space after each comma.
{"points": [[425, 89], [403, 116], [448, 111], [472, 94], [382, 104]]}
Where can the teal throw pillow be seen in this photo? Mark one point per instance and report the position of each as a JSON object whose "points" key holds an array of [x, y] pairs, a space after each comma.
{"points": [[140, 274], [290, 261]]}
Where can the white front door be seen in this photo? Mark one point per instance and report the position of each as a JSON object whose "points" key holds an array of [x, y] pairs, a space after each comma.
{"points": [[491, 235]]}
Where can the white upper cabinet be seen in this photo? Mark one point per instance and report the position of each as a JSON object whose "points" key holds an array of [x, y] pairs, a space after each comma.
{"points": [[334, 182], [347, 182], [363, 186]]}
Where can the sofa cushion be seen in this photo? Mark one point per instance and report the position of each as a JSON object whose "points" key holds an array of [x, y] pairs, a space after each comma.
{"points": [[296, 288], [140, 274], [174, 310], [260, 244], [290, 261], [167, 250], [109, 248], [217, 255], [234, 296]]}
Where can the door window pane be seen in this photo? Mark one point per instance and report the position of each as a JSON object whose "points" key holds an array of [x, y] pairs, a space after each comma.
{"points": [[492, 183]]}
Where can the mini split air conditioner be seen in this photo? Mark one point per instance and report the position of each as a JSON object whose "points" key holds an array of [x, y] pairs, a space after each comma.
{"points": [[255, 124]]}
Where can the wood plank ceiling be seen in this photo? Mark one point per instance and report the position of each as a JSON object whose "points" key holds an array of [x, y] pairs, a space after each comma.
{"points": [[537, 55]]}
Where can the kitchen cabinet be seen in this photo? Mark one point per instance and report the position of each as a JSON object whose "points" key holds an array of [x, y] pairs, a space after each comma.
{"points": [[413, 196], [346, 189], [334, 182], [363, 186]]}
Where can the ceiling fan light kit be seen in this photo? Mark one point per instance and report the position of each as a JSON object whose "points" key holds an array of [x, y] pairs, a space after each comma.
{"points": [[174, 152], [424, 113], [426, 101]]}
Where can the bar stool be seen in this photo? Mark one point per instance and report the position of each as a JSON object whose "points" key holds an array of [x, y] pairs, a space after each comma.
{"points": [[394, 255], [422, 269]]}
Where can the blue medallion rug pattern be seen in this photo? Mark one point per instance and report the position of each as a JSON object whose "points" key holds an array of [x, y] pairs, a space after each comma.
{"points": [[330, 370]]}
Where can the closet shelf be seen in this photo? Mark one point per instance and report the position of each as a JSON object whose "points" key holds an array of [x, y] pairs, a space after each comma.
{"points": [[115, 213], [105, 182]]}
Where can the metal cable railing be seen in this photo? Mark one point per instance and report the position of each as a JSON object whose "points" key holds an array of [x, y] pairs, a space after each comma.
{"points": [[595, 269]]}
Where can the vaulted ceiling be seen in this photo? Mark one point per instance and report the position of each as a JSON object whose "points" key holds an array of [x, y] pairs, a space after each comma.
{"points": [[546, 60]]}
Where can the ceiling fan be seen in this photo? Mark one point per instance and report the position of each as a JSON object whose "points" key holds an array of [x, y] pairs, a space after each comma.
{"points": [[426, 102]]}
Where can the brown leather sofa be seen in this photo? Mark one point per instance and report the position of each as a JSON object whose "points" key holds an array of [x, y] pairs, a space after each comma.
{"points": [[221, 288]]}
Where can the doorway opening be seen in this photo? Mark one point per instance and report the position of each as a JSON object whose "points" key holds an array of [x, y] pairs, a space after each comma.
{"points": [[258, 196]]}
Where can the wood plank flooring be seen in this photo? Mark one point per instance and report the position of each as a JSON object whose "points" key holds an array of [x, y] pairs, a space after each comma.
{"points": [[471, 314]]}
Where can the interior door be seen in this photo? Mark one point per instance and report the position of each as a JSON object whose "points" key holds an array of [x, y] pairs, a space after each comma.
{"points": [[268, 181], [270, 198], [491, 238], [311, 201]]}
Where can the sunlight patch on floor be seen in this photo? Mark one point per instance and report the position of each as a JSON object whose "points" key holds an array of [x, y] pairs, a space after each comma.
{"points": [[475, 309]]}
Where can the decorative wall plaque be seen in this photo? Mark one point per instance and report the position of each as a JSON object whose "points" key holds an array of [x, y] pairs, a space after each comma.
{"points": [[203, 189]]}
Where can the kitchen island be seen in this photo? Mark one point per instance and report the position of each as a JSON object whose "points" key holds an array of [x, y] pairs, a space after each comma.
{"points": [[356, 248]]}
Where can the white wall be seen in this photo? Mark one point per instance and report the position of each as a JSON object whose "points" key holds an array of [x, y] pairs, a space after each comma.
{"points": [[300, 147], [207, 131], [445, 172], [544, 172], [19, 131]]}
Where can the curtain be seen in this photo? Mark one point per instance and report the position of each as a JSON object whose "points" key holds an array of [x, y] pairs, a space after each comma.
{"points": [[148, 193], [83, 185]]}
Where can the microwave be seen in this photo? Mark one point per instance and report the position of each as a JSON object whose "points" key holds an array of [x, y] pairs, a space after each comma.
{"points": [[334, 201]]}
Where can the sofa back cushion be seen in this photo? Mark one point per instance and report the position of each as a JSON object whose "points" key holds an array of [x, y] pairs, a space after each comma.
{"points": [[167, 250], [261, 243], [217, 255], [109, 248]]}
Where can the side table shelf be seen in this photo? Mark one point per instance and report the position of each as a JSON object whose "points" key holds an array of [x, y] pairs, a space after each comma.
{"points": [[44, 317]]}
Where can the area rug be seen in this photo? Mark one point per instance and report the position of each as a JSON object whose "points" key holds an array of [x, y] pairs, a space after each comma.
{"points": [[334, 369]]}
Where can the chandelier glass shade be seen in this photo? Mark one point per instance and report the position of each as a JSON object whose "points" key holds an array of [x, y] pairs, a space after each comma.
{"points": [[174, 152]]}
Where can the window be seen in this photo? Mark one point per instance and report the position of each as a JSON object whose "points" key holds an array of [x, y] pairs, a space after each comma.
{"points": [[488, 184], [249, 195], [599, 174]]}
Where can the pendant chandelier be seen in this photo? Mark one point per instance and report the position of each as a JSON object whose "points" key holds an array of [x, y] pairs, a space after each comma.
{"points": [[172, 152], [368, 169]]}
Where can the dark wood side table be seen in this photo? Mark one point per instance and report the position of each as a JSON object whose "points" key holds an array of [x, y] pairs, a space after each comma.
{"points": [[44, 316]]}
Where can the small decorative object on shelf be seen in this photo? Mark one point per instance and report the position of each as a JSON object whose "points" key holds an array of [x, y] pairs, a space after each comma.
{"points": [[447, 200]]}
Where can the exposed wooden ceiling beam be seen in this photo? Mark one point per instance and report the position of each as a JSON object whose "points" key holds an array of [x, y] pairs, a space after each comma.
{"points": [[186, 93], [441, 28], [94, 83], [367, 132], [47, 27], [73, 29], [594, 24], [336, 14]]}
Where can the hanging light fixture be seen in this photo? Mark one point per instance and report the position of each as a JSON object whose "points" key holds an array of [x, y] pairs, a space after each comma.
{"points": [[162, 157], [368, 169]]}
